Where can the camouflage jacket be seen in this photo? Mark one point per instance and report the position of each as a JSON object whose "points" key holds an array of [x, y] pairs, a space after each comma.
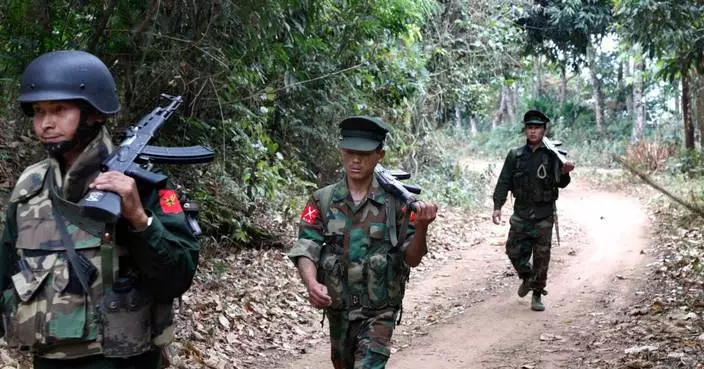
{"points": [[534, 178], [43, 306], [351, 245]]}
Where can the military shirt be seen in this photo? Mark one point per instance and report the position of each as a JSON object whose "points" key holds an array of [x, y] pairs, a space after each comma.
{"points": [[165, 254], [354, 231], [539, 177]]}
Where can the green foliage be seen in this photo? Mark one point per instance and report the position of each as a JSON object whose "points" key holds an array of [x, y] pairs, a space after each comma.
{"points": [[563, 29], [264, 83], [498, 141], [443, 177], [668, 29], [687, 162]]}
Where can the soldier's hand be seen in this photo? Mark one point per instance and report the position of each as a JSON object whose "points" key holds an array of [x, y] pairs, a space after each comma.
{"points": [[567, 167], [425, 213], [318, 295], [496, 216], [126, 187]]}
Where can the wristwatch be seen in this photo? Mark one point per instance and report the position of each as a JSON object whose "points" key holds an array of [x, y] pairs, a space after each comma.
{"points": [[149, 223]]}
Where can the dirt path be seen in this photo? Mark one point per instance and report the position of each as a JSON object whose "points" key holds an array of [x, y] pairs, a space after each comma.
{"points": [[464, 312]]}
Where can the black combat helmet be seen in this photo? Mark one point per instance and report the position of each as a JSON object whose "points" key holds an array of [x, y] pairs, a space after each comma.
{"points": [[69, 75]]}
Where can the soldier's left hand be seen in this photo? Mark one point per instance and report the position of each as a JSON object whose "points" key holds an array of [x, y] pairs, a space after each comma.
{"points": [[567, 167], [425, 213], [126, 187]]}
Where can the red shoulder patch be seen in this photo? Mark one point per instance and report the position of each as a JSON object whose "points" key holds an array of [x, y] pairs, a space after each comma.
{"points": [[309, 214], [169, 202], [412, 218]]}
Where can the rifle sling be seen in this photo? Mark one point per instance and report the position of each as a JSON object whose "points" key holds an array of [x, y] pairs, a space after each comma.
{"points": [[82, 267], [73, 258]]}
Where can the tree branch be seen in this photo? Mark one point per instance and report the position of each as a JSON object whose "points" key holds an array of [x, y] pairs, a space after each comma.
{"points": [[693, 208], [100, 26]]}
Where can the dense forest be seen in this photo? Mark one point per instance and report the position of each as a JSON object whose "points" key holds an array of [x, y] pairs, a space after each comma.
{"points": [[265, 83]]}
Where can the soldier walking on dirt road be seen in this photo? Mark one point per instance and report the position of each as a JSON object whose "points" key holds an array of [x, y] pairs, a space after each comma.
{"points": [[533, 174], [351, 255]]}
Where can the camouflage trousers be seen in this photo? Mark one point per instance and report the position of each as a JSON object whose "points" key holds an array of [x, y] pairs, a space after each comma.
{"points": [[148, 360], [526, 238], [360, 344]]}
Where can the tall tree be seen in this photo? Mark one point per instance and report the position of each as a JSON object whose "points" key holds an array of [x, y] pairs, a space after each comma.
{"points": [[597, 89], [563, 31], [638, 99], [672, 31]]}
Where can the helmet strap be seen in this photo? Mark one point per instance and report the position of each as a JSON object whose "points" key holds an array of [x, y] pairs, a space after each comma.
{"points": [[85, 133]]}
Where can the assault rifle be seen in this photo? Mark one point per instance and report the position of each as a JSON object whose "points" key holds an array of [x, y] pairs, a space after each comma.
{"points": [[135, 158], [390, 181], [553, 146], [561, 156]]}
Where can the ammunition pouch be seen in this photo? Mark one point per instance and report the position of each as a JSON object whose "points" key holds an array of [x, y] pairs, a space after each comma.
{"points": [[125, 317], [132, 322]]}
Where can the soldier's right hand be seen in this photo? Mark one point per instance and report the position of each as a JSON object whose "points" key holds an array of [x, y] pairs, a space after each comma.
{"points": [[496, 216], [318, 295]]}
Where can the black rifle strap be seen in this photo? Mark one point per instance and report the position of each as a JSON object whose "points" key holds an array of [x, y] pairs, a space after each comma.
{"points": [[73, 258]]}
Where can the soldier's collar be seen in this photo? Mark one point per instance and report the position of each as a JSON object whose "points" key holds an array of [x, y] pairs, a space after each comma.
{"points": [[341, 192], [541, 145]]}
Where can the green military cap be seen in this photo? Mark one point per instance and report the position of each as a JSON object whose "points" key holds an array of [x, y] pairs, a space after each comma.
{"points": [[535, 117], [362, 133]]}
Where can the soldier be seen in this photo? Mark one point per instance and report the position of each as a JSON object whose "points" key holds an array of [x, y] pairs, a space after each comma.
{"points": [[78, 293], [533, 174], [353, 254]]}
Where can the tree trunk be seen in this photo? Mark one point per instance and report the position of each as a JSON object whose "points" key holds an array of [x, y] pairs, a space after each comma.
{"points": [[472, 125], [500, 113], [597, 93], [101, 25], [511, 103], [42, 10], [629, 88], [537, 86], [563, 85], [699, 104], [687, 114], [638, 103], [678, 106], [458, 117]]}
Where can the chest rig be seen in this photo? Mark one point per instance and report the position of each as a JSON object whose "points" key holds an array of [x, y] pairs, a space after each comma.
{"points": [[362, 265], [48, 308], [534, 181]]}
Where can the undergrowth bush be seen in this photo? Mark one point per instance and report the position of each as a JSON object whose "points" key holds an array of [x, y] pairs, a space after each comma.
{"points": [[687, 162], [650, 156]]}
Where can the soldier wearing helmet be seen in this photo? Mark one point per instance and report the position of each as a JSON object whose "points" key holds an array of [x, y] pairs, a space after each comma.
{"points": [[533, 174], [74, 298]]}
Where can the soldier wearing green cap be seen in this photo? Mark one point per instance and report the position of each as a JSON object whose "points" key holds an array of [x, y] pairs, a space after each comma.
{"points": [[352, 258], [533, 174]]}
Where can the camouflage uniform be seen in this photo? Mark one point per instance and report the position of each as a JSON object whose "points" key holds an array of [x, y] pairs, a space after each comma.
{"points": [[364, 273], [44, 307], [534, 178]]}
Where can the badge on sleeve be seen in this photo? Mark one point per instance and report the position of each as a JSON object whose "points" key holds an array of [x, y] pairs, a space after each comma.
{"points": [[169, 202], [309, 214], [412, 217]]}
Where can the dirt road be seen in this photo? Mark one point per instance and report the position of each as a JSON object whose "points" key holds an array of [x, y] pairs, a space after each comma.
{"points": [[464, 312]]}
